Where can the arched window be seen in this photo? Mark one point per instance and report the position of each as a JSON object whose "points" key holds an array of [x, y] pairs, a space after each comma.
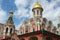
{"points": [[22, 39], [26, 31], [33, 38], [13, 39], [48, 38], [11, 31], [40, 27], [34, 13], [33, 29], [44, 20], [26, 28], [6, 30], [49, 28]]}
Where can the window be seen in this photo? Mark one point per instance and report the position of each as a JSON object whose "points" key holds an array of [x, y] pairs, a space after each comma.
{"points": [[13, 39], [33, 38], [21, 32], [58, 25], [37, 19], [48, 38], [22, 39], [26, 30], [11, 31], [33, 29], [33, 12], [40, 27], [6, 30]]}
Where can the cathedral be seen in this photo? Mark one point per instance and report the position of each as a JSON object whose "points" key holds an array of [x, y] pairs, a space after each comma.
{"points": [[36, 28]]}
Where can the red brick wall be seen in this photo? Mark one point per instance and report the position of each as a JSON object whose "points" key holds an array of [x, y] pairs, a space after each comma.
{"points": [[40, 37]]}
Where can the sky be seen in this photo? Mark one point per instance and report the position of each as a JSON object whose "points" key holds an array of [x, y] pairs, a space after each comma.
{"points": [[22, 10]]}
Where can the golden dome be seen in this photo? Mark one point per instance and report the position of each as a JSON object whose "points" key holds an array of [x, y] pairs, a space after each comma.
{"points": [[37, 5]]}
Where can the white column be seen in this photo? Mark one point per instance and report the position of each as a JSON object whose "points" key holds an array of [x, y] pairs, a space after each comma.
{"points": [[8, 31], [24, 28], [35, 12], [39, 27], [13, 30], [4, 31]]}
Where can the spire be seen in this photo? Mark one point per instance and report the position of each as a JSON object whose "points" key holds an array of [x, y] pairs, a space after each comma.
{"points": [[37, 11], [11, 12], [10, 19]]}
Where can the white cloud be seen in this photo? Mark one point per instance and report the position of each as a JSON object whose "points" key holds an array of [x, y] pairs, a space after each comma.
{"points": [[21, 13], [49, 12], [20, 3], [2, 14], [21, 10]]}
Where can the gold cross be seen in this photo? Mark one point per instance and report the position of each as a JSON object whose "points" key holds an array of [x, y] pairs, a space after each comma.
{"points": [[37, 1]]}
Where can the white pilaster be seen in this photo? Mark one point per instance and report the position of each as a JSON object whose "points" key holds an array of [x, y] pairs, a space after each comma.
{"points": [[4, 31], [8, 31], [13, 30]]}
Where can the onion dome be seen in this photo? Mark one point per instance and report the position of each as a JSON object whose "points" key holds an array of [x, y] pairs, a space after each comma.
{"points": [[37, 5]]}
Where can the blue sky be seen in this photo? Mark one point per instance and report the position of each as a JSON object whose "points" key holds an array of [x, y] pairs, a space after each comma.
{"points": [[23, 10]]}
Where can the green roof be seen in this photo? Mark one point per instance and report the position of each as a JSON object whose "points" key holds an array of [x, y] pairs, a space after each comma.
{"points": [[11, 20]]}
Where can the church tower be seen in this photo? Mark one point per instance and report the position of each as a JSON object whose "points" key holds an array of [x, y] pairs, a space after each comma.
{"points": [[9, 26], [37, 11], [37, 14]]}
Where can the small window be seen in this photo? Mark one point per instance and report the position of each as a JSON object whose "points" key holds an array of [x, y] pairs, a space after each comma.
{"points": [[6, 30], [34, 13], [21, 32], [33, 29], [48, 38], [13, 39], [26, 30], [37, 19], [40, 27], [33, 38], [11, 31], [22, 39], [58, 25]]}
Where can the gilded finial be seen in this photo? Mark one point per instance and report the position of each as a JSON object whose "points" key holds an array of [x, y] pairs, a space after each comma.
{"points": [[37, 5], [11, 12], [37, 1]]}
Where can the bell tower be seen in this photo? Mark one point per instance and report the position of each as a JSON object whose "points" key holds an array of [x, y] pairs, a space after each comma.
{"points": [[37, 14], [9, 26], [37, 11]]}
